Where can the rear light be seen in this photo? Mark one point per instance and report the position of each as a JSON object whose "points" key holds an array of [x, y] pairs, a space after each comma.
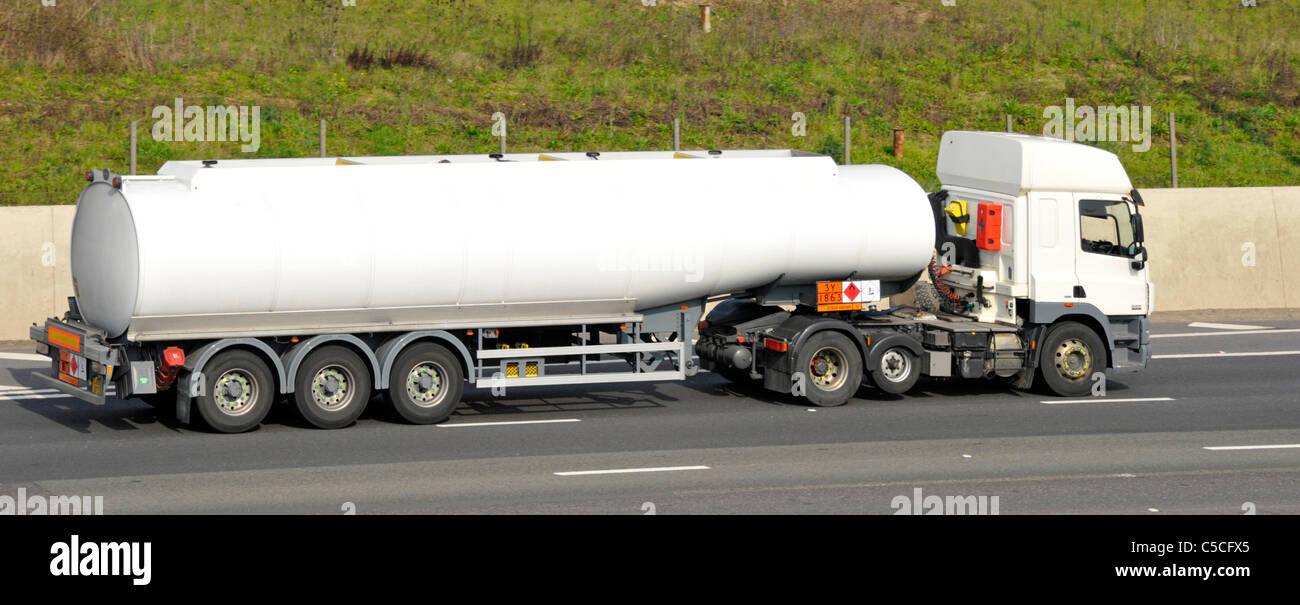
{"points": [[702, 325], [740, 339], [779, 346], [90, 176], [117, 182], [173, 357]]}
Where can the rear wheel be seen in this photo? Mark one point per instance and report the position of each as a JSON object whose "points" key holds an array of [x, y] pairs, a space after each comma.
{"points": [[332, 387], [238, 391], [425, 384], [832, 369], [1071, 354]]}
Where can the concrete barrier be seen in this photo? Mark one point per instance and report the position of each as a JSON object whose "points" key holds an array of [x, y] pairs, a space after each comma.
{"points": [[35, 280], [1223, 248], [1214, 248]]}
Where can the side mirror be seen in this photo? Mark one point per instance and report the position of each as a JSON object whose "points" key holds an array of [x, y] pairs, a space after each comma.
{"points": [[1138, 234], [1134, 250]]}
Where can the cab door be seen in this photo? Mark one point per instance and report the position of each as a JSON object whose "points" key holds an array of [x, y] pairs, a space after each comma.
{"points": [[1052, 231], [1105, 251]]}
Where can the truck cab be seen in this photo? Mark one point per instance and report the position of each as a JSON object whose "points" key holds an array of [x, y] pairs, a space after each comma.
{"points": [[1040, 275], [1036, 230]]}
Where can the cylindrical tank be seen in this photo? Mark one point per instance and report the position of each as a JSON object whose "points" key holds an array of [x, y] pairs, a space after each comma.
{"points": [[282, 247]]}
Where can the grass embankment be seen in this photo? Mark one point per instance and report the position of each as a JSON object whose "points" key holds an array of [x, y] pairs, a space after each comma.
{"points": [[402, 77]]}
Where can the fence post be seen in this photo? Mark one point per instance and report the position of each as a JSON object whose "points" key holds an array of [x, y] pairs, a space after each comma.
{"points": [[898, 143], [322, 138], [705, 18], [677, 134], [1009, 125], [1173, 151], [133, 146], [848, 133]]}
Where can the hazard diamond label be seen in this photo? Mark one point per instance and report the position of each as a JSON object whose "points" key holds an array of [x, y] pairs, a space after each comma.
{"points": [[846, 295]]}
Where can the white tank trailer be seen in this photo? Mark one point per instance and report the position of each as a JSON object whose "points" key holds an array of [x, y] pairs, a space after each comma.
{"points": [[266, 248], [218, 286]]}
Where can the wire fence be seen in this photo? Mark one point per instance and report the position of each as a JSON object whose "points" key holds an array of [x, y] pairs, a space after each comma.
{"points": [[50, 196]]}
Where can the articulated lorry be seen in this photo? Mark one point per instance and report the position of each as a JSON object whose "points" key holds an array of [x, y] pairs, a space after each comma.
{"points": [[218, 287]]}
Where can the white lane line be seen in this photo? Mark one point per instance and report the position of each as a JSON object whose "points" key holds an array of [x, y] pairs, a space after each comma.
{"points": [[1222, 448], [1247, 354], [1227, 333], [619, 471], [1104, 400], [460, 424], [1212, 326], [24, 356]]}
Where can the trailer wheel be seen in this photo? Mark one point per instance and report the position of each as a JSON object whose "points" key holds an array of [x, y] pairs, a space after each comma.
{"points": [[832, 366], [425, 384], [897, 371], [332, 387], [238, 391], [1071, 354]]}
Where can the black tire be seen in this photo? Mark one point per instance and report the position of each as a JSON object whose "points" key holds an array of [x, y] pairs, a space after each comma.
{"points": [[837, 378], [425, 384], [247, 391], [897, 371], [332, 387], [1071, 354]]}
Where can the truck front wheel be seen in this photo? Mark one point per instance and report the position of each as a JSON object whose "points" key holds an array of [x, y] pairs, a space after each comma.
{"points": [[831, 367], [1071, 354], [425, 384], [238, 391]]}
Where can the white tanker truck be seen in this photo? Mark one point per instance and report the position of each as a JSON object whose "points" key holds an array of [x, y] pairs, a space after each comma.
{"points": [[217, 286]]}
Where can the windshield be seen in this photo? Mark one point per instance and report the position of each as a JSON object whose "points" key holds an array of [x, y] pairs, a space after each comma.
{"points": [[1106, 227]]}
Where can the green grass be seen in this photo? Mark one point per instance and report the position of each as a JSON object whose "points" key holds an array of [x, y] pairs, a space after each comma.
{"points": [[612, 74]]}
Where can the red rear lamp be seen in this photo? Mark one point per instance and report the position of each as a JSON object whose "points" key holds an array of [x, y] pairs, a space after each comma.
{"points": [[90, 176], [779, 346]]}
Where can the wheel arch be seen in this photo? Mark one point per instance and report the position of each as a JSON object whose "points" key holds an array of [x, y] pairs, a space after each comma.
{"points": [[797, 329], [1051, 315], [388, 352], [1086, 321], [292, 358], [197, 359], [878, 347]]}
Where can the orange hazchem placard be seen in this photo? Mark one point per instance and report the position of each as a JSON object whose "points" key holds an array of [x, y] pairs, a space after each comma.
{"points": [[64, 339]]}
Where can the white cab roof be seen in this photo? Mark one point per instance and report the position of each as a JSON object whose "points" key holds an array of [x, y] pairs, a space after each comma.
{"points": [[1015, 163]]}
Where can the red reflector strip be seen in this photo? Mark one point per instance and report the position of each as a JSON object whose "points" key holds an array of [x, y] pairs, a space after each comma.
{"points": [[66, 340], [777, 345]]}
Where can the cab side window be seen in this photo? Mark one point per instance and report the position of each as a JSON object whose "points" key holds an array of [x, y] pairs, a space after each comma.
{"points": [[1105, 227]]}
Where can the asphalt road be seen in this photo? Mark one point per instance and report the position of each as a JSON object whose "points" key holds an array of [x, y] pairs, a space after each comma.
{"points": [[1184, 436]]}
